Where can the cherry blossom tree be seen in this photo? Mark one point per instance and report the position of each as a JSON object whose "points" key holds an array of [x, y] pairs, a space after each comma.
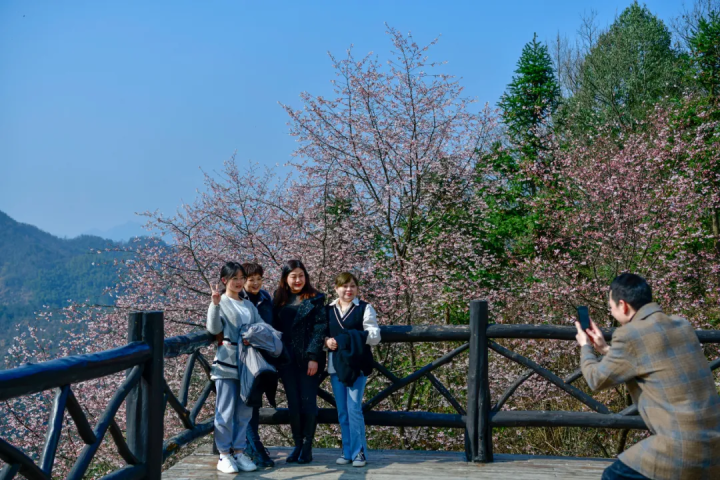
{"points": [[385, 185], [400, 147], [637, 203], [394, 179]]}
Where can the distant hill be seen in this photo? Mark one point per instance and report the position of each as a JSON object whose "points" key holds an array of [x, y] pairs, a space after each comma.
{"points": [[37, 269], [120, 233]]}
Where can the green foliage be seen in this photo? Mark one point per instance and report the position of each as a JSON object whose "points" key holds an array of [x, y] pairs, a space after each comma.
{"points": [[527, 107], [38, 270], [513, 223], [626, 71], [705, 53], [530, 99]]}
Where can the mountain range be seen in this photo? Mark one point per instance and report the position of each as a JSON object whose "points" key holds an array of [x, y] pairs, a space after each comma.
{"points": [[41, 271]]}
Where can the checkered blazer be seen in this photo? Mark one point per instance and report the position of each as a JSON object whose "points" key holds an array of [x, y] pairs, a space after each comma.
{"points": [[661, 361]]}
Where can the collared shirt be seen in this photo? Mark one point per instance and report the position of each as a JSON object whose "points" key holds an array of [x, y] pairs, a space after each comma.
{"points": [[370, 325]]}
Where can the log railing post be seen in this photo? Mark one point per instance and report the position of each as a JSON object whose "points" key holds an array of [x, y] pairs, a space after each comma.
{"points": [[471, 422], [136, 427], [153, 399], [479, 448]]}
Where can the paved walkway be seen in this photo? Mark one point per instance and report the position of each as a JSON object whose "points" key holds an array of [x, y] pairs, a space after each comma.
{"points": [[397, 465]]}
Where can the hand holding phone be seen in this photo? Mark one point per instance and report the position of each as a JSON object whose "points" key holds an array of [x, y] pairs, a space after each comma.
{"points": [[583, 315], [589, 332]]}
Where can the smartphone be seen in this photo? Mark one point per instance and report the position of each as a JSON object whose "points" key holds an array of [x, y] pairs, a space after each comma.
{"points": [[583, 317]]}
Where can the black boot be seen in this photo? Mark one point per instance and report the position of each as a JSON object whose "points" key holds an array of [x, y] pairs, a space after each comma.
{"points": [[255, 448], [309, 424], [259, 454], [296, 429]]}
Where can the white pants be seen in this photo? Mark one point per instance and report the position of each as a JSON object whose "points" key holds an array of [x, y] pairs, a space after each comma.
{"points": [[231, 416]]}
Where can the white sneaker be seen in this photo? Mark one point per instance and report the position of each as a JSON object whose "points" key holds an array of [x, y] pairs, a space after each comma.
{"points": [[244, 463], [227, 465], [343, 461], [359, 460]]}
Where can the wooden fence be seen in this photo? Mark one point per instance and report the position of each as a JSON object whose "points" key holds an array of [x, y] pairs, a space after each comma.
{"points": [[147, 394]]}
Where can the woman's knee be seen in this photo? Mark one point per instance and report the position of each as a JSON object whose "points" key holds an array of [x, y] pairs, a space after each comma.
{"points": [[294, 403], [356, 414], [354, 403], [308, 405]]}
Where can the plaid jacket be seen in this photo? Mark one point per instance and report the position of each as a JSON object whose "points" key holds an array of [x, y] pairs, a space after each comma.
{"points": [[661, 361]]}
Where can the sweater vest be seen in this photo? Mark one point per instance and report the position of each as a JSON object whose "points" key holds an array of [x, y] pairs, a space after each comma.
{"points": [[352, 320]]}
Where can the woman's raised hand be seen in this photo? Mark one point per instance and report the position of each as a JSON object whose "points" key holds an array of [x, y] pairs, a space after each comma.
{"points": [[215, 294]]}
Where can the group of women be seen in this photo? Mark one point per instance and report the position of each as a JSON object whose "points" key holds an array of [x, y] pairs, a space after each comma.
{"points": [[314, 333]]}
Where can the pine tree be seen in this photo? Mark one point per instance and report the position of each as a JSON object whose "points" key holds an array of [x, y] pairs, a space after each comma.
{"points": [[527, 107], [530, 99]]}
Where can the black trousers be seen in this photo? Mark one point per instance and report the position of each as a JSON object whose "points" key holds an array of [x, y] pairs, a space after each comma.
{"points": [[253, 429], [301, 390], [620, 471]]}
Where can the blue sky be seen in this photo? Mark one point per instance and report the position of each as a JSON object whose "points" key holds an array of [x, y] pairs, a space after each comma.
{"points": [[114, 107]]}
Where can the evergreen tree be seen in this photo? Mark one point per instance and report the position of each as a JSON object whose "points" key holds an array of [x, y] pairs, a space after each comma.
{"points": [[705, 51], [526, 107], [530, 99], [626, 72], [704, 45]]}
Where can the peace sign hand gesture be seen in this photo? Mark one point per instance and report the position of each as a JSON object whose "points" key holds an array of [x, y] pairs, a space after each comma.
{"points": [[215, 294]]}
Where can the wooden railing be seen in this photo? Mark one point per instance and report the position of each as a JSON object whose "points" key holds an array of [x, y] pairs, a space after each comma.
{"points": [[483, 416], [142, 359], [138, 408], [480, 415], [147, 394]]}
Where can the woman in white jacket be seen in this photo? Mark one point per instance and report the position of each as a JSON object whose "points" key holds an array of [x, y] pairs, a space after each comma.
{"points": [[226, 314]]}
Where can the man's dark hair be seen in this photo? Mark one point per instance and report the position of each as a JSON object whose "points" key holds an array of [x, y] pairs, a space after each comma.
{"points": [[631, 288], [253, 269]]}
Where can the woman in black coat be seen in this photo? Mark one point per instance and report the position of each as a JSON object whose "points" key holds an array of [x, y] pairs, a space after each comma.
{"points": [[300, 316]]}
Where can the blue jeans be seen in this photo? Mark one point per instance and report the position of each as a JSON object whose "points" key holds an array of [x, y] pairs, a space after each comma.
{"points": [[350, 415], [620, 471]]}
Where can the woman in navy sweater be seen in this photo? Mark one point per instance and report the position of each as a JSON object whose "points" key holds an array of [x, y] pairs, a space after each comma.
{"points": [[353, 329], [262, 300]]}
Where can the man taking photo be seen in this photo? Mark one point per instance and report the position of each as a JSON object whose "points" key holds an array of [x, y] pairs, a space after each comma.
{"points": [[661, 361]]}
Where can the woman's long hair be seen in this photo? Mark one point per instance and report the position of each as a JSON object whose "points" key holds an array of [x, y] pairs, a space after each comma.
{"points": [[282, 294]]}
